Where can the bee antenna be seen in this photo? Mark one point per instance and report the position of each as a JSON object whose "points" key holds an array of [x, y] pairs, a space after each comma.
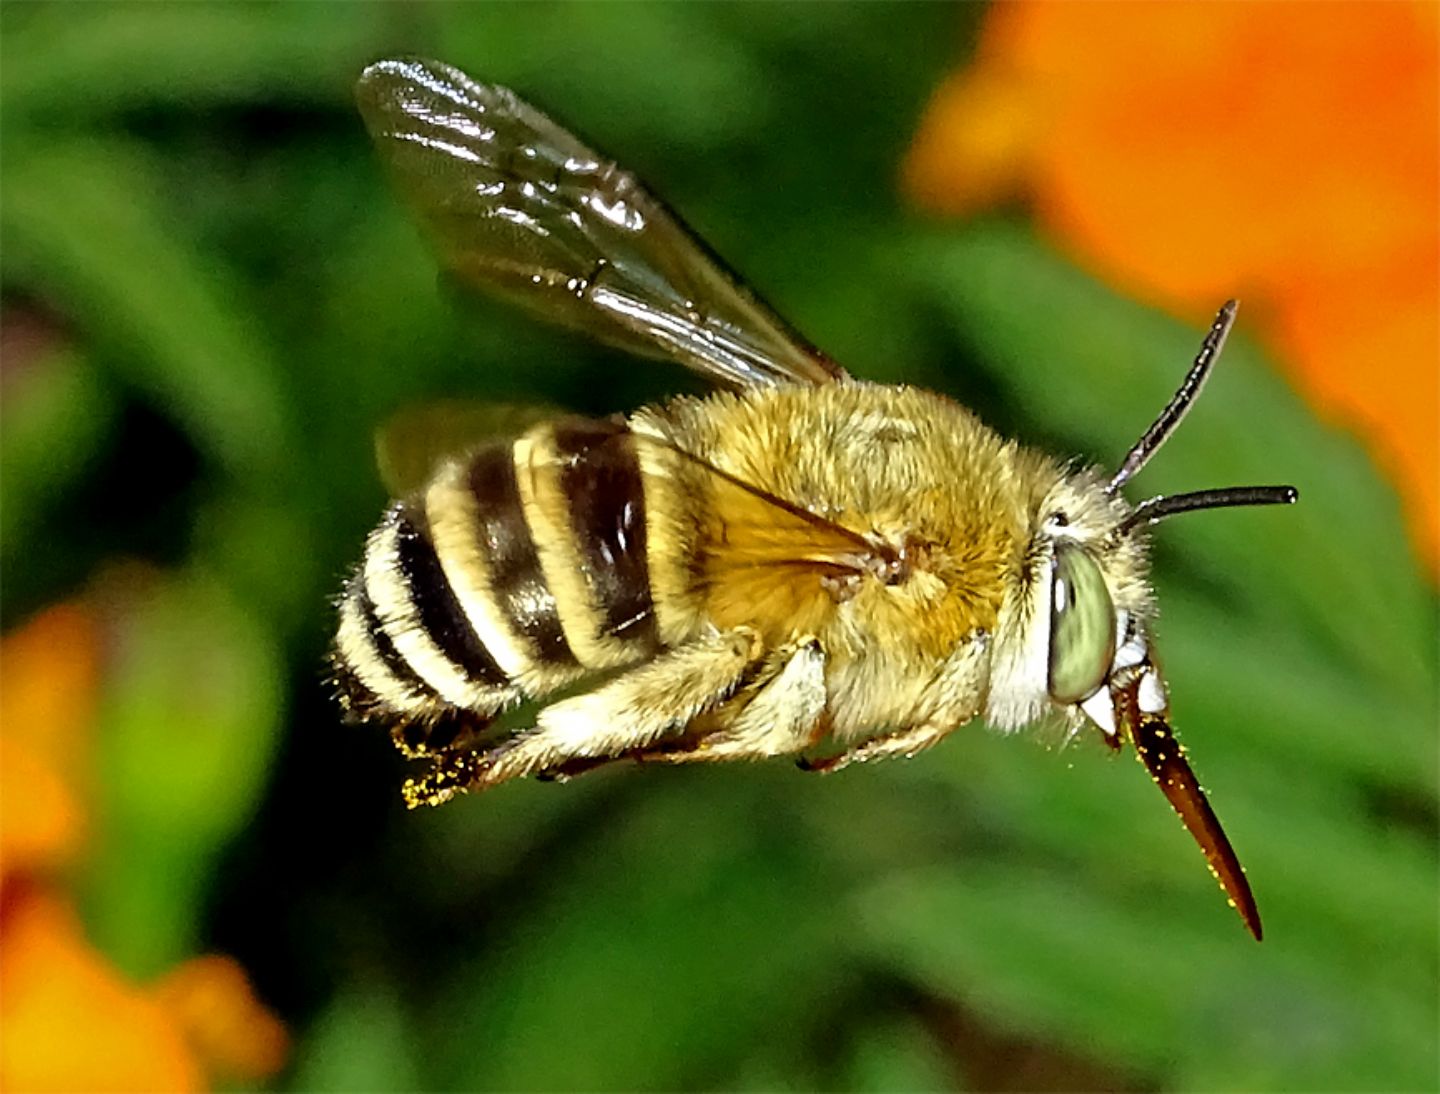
{"points": [[1179, 405], [1148, 512]]}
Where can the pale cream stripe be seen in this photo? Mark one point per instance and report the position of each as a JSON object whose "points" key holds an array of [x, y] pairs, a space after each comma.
{"points": [[357, 649], [547, 511], [395, 609], [455, 530], [670, 514]]}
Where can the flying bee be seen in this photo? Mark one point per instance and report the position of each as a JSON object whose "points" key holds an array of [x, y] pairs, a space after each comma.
{"points": [[800, 564]]}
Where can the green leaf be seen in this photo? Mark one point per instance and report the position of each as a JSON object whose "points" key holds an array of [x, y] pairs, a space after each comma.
{"points": [[53, 422], [364, 1040], [896, 1055], [1276, 694], [568, 66], [656, 952], [190, 718], [81, 225], [97, 60], [1042, 956]]}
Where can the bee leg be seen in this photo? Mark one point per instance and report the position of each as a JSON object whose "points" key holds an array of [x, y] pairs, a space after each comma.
{"points": [[905, 742], [453, 730], [953, 697], [451, 773], [573, 769], [775, 716], [627, 714]]}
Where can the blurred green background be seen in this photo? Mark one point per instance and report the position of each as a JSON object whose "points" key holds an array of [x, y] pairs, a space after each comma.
{"points": [[211, 301]]}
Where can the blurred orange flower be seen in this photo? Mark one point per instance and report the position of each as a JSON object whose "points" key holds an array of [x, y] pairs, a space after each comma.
{"points": [[70, 1020], [48, 677], [230, 1030], [1188, 152]]}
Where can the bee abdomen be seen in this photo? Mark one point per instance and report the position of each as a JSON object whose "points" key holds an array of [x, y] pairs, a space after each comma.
{"points": [[519, 569]]}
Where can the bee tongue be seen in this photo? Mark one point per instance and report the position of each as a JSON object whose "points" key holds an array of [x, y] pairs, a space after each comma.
{"points": [[1165, 760]]}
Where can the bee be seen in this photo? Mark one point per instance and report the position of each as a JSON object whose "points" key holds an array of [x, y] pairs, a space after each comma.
{"points": [[798, 564]]}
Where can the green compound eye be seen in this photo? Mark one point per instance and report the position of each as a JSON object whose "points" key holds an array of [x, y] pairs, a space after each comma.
{"points": [[1082, 626]]}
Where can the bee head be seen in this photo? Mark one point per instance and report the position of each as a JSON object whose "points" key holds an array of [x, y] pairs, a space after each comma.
{"points": [[1079, 634]]}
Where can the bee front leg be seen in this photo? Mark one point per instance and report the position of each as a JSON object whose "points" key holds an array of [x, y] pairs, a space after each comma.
{"points": [[627, 714]]}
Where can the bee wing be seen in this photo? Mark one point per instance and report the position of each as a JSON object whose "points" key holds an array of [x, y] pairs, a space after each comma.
{"points": [[413, 442], [521, 209]]}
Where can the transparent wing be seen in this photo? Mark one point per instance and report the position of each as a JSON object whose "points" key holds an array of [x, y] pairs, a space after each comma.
{"points": [[412, 443], [521, 209]]}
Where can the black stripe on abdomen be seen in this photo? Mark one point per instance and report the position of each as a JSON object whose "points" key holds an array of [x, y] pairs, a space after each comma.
{"points": [[600, 480], [516, 580], [385, 649], [440, 614]]}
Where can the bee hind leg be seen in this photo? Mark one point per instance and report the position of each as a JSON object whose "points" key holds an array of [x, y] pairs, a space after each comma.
{"points": [[451, 773], [628, 714], [450, 730]]}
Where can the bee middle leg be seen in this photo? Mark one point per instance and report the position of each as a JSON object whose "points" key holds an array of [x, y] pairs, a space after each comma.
{"points": [[905, 742], [952, 698], [775, 716], [626, 715]]}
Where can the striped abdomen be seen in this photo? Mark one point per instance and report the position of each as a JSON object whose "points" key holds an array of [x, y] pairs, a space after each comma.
{"points": [[517, 570]]}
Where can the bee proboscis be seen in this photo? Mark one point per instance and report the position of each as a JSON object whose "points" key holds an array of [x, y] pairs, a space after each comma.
{"points": [[799, 564]]}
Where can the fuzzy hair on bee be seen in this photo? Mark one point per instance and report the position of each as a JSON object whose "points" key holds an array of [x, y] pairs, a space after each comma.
{"points": [[799, 564]]}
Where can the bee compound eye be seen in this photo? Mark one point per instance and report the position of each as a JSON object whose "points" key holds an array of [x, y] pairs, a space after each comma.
{"points": [[1082, 626]]}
